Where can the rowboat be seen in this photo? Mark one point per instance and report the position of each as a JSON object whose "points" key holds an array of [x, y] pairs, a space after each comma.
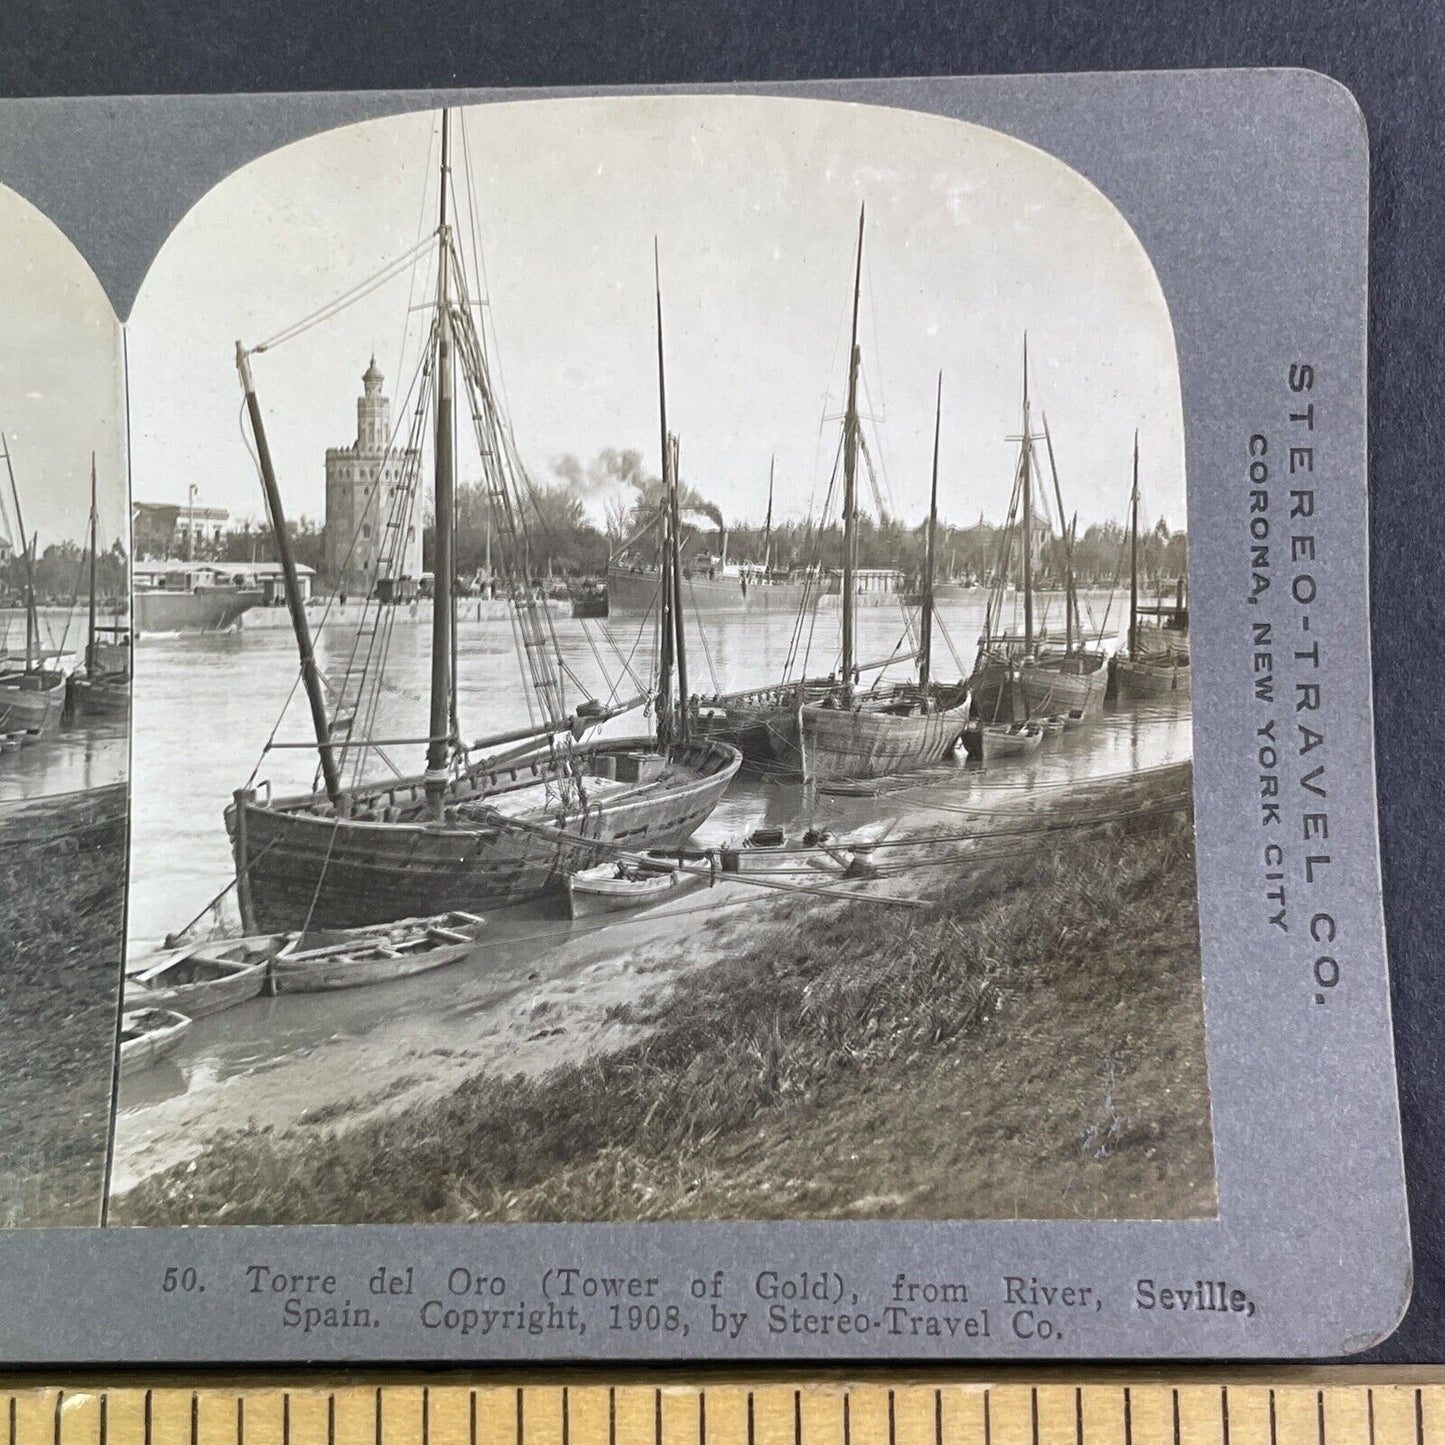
{"points": [[990, 741], [772, 851], [1052, 726], [618, 886], [209, 977], [353, 957], [148, 1035]]}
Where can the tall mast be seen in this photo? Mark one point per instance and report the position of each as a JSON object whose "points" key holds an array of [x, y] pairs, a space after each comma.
{"points": [[674, 644], [1071, 601], [32, 628], [94, 528], [768, 524], [850, 472], [310, 674], [1028, 515], [667, 589], [684, 726], [925, 648], [1134, 556], [439, 728]]}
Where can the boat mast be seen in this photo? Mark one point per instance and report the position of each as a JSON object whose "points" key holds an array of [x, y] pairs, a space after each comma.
{"points": [[684, 727], [674, 644], [768, 524], [1071, 600], [439, 727], [94, 527], [925, 646], [1134, 556], [666, 593], [1028, 516], [310, 674], [850, 473], [32, 622]]}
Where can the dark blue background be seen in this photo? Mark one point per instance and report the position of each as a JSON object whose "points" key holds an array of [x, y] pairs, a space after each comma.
{"points": [[1391, 55]]}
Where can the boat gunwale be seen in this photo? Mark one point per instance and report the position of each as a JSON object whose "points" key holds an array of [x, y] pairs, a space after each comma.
{"points": [[298, 807]]}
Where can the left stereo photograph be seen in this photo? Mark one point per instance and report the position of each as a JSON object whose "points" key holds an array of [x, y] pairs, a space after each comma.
{"points": [[64, 719]]}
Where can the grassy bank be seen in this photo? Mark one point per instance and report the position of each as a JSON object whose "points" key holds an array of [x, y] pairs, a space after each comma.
{"points": [[1030, 1043], [62, 901]]}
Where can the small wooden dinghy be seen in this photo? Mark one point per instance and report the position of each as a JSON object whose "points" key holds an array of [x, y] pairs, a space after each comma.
{"points": [[1073, 719], [148, 1035], [354, 957], [1002, 740], [1052, 726], [633, 882], [209, 977]]}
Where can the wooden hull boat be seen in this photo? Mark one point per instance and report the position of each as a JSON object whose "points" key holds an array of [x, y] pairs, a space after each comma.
{"points": [[992, 741], [504, 839], [1006, 683], [319, 961], [104, 695], [1159, 675], [616, 887], [148, 1035], [883, 734], [32, 703], [1052, 727], [1073, 719], [209, 977]]}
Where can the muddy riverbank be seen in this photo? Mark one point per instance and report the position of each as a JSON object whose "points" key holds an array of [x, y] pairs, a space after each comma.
{"points": [[62, 904], [1027, 1041]]}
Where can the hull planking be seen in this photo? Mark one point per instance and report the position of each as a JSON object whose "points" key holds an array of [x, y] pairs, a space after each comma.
{"points": [[301, 866]]}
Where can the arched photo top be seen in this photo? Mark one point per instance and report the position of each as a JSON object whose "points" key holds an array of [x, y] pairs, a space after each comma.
{"points": [[973, 239]]}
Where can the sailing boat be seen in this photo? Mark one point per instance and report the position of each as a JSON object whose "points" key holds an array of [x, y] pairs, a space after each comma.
{"points": [[102, 688], [1143, 670], [32, 697], [505, 818], [1028, 675], [830, 729]]}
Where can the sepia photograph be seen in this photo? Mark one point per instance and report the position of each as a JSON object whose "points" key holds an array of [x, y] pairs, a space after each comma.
{"points": [[661, 680], [64, 712]]}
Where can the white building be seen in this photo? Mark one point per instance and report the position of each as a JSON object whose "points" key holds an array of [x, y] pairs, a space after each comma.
{"points": [[373, 530]]}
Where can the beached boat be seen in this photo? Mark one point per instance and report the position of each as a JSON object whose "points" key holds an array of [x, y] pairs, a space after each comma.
{"points": [[147, 1035], [101, 688], [623, 884], [208, 977], [321, 960], [32, 694], [1155, 661], [992, 741], [1025, 676], [508, 816], [833, 729]]}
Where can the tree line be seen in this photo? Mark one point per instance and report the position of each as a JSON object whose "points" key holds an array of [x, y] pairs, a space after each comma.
{"points": [[564, 541]]}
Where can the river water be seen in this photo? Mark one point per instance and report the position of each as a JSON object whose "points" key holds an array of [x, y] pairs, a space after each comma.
{"points": [[205, 706], [92, 753]]}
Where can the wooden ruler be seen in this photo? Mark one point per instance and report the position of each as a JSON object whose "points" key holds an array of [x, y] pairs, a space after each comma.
{"points": [[1173, 1408]]}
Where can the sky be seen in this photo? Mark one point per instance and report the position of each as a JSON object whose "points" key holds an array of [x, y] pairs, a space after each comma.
{"points": [[62, 384], [972, 238]]}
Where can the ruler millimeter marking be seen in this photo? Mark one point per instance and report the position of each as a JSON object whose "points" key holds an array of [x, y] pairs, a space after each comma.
{"points": [[736, 1412]]}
